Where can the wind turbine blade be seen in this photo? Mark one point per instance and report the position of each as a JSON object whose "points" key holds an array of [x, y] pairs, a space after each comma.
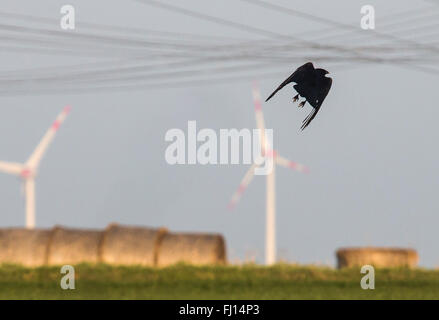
{"points": [[29, 189], [260, 122], [290, 164], [39, 151], [242, 186], [258, 107], [11, 167]]}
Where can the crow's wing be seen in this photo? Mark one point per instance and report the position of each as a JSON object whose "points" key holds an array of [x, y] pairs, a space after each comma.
{"points": [[296, 77], [323, 88], [316, 91], [316, 102]]}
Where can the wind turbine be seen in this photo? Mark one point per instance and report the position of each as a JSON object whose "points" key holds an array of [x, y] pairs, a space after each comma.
{"points": [[28, 171], [270, 155]]}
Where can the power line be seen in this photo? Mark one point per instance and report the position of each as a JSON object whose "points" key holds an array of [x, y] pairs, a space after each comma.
{"points": [[243, 27], [119, 74], [136, 86], [312, 17], [119, 29], [215, 48], [323, 20]]}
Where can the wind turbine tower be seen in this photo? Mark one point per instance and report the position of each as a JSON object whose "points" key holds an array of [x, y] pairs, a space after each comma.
{"points": [[270, 155]]}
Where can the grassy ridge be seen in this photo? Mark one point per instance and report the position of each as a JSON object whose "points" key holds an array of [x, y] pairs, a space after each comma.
{"points": [[231, 282]]}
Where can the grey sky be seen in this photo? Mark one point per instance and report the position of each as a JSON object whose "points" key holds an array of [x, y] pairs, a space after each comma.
{"points": [[372, 149]]}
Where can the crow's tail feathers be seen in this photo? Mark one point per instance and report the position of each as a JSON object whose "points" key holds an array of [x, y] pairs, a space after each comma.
{"points": [[309, 118]]}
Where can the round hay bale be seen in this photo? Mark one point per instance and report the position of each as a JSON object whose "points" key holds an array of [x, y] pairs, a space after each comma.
{"points": [[130, 245], [23, 246], [198, 249], [378, 257], [71, 246]]}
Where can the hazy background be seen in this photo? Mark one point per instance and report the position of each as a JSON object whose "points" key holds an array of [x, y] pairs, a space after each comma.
{"points": [[372, 150]]}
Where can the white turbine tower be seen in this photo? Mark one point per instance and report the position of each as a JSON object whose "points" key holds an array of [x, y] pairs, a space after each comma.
{"points": [[268, 153], [28, 171]]}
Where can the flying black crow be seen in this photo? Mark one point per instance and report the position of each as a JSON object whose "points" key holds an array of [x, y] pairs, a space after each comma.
{"points": [[312, 85]]}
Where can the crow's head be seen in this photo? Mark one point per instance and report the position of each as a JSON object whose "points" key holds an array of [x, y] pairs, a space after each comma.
{"points": [[321, 72]]}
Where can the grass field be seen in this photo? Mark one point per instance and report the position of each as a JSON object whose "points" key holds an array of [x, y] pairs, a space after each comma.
{"points": [[231, 282]]}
